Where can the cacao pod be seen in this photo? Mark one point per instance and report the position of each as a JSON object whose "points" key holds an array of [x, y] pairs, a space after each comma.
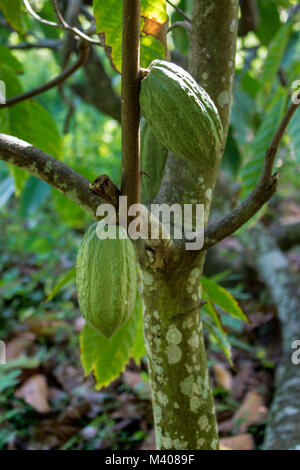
{"points": [[181, 114], [106, 278], [153, 161]]}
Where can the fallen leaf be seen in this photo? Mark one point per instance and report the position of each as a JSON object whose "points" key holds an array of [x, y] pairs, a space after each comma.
{"points": [[223, 376], [252, 411], [240, 442], [35, 393], [19, 345]]}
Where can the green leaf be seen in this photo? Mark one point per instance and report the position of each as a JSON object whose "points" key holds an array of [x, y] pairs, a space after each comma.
{"points": [[217, 335], [12, 11], [107, 357], [7, 58], [44, 132], [222, 298], [153, 21], [7, 188], [28, 121], [63, 281], [272, 62], [253, 165], [34, 194], [269, 20]]}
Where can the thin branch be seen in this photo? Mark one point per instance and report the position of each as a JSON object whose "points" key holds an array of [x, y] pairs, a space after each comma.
{"points": [[264, 190], [43, 44], [59, 15], [78, 189], [130, 110], [249, 16], [180, 24], [84, 49], [184, 15], [67, 181], [75, 31]]}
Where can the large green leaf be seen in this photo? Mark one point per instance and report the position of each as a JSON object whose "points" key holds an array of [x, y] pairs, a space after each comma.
{"points": [[272, 62], [44, 131], [29, 121], [7, 58], [12, 11], [153, 21], [34, 194], [269, 20], [254, 162], [107, 357], [222, 298]]}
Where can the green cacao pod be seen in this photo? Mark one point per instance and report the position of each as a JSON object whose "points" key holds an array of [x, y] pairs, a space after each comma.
{"points": [[106, 277], [181, 114], [153, 161]]}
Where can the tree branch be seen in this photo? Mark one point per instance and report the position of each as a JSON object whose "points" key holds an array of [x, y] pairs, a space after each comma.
{"points": [[264, 190], [43, 44], [75, 31], [249, 18], [84, 49], [130, 110], [67, 181], [181, 12]]}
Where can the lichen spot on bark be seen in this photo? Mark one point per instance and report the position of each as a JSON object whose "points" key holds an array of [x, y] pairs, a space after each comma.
{"points": [[173, 335], [174, 354], [203, 423], [223, 98]]}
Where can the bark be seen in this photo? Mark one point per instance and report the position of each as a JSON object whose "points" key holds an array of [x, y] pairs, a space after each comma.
{"points": [[63, 178], [283, 430], [183, 406]]}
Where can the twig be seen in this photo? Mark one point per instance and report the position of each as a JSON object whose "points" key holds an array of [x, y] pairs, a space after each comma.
{"points": [[264, 190], [67, 181], [130, 110], [59, 15], [184, 15], [75, 31], [84, 49], [180, 24], [43, 44]]}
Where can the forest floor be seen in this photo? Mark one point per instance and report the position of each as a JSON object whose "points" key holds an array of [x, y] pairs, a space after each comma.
{"points": [[45, 400]]}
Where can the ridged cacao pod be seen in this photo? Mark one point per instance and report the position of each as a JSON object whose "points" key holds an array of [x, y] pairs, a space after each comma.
{"points": [[181, 114], [106, 277], [153, 161]]}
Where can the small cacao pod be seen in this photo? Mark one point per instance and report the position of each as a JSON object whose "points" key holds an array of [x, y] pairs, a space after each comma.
{"points": [[153, 161], [106, 278], [181, 114]]}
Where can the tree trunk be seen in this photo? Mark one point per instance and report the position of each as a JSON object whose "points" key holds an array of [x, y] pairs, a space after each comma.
{"points": [[283, 430], [183, 405]]}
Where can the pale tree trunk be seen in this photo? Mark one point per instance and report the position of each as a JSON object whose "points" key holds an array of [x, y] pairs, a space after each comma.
{"points": [[184, 412], [283, 430]]}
